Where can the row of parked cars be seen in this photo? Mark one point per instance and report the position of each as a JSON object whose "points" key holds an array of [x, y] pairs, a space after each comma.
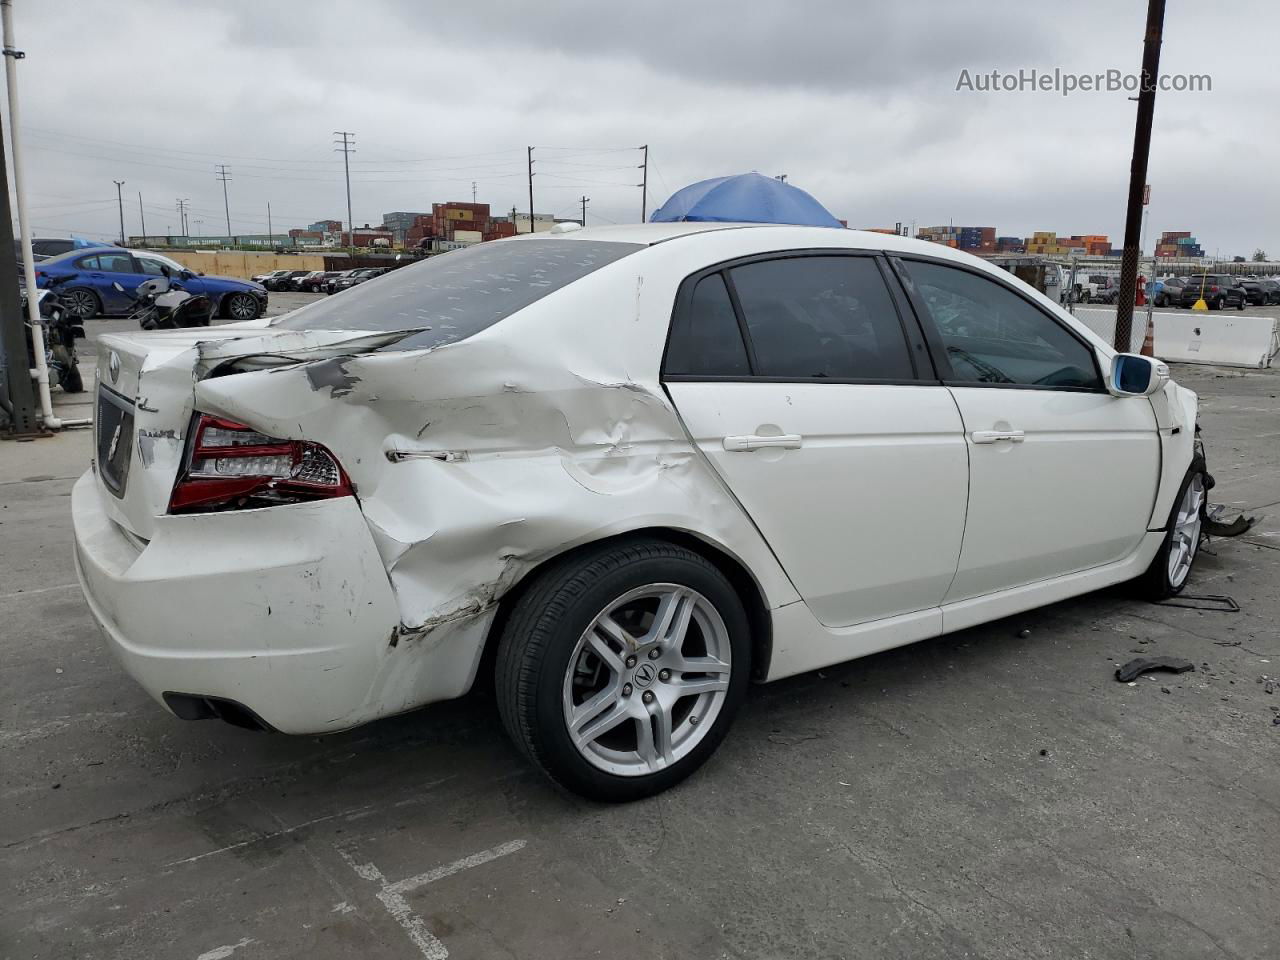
{"points": [[1219, 290], [318, 281]]}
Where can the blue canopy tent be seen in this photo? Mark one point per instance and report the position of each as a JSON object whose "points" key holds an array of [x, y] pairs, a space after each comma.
{"points": [[744, 198]]}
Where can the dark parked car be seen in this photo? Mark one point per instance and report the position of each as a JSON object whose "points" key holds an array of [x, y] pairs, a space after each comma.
{"points": [[356, 277], [315, 281], [42, 248], [330, 285], [94, 273], [1261, 292], [1272, 288], [285, 280], [1218, 289]]}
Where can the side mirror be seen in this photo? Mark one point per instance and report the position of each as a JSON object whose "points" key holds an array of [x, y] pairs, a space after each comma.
{"points": [[186, 275], [1133, 375], [164, 270]]}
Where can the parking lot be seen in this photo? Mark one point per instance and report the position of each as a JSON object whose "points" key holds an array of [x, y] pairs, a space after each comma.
{"points": [[995, 793]]}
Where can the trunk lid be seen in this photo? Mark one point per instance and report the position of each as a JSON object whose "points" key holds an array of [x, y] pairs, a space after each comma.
{"points": [[145, 397]]}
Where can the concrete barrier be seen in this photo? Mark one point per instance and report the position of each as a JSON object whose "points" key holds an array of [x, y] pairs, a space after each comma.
{"points": [[1227, 339]]}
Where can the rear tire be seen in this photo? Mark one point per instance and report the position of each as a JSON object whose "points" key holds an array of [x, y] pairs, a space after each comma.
{"points": [[1171, 567], [71, 381], [596, 692], [81, 302]]}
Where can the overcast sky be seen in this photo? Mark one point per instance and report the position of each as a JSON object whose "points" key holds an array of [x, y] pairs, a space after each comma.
{"points": [[855, 101]]}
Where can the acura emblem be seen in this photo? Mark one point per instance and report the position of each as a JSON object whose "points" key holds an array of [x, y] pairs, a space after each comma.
{"points": [[646, 674], [113, 366]]}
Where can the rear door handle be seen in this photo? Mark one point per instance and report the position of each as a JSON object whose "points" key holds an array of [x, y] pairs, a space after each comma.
{"points": [[995, 436], [787, 441]]}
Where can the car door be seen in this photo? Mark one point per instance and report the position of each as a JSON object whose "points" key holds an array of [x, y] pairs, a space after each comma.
{"points": [[1062, 475], [100, 270], [808, 388]]}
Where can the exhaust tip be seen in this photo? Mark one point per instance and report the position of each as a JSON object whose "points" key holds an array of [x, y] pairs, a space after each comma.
{"points": [[193, 706]]}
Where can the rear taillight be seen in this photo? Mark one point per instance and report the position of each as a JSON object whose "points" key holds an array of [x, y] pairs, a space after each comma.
{"points": [[1211, 288], [229, 466]]}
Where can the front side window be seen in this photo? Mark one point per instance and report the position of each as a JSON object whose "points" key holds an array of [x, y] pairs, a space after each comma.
{"points": [[705, 339], [820, 317], [992, 335]]}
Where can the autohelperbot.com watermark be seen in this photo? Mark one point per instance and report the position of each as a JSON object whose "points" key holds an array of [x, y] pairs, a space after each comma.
{"points": [[1066, 82]]}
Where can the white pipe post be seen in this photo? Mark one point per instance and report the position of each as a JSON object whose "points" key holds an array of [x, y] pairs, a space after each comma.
{"points": [[11, 56]]}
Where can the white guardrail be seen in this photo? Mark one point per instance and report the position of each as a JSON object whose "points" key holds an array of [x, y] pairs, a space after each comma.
{"points": [[1229, 339]]}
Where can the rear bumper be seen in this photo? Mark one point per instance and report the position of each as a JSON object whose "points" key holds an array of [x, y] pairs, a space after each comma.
{"points": [[287, 611]]}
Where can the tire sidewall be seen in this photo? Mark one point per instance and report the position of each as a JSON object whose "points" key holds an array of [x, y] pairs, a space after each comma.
{"points": [[554, 745], [93, 298], [1159, 585]]}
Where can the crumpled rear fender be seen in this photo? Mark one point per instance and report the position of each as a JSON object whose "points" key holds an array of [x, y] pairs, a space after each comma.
{"points": [[475, 461]]}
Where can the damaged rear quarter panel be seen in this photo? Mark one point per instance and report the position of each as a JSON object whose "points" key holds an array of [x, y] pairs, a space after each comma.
{"points": [[476, 460]]}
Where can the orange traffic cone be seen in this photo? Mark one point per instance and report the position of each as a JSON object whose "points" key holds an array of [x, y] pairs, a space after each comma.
{"points": [[1149, 341]]}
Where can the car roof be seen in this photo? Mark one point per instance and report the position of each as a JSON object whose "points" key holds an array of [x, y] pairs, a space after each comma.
{"points": [[86, 251]]}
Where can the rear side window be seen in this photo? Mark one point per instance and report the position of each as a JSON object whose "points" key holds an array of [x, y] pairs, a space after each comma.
{"points": [[992, 335], [822, 317], [107, 262], [454, 295], [705, 339]]}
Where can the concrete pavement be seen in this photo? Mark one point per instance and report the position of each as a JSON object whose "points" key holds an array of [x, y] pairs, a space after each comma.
{"points": [[994, 793]]}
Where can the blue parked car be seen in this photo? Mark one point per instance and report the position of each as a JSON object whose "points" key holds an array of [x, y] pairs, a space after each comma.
{"points": [[89, 292]]}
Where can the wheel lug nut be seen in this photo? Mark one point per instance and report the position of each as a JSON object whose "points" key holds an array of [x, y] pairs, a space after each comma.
{"points": [[631, 661], [626, 689], [664, 675], [655, 653], [648, 696]]}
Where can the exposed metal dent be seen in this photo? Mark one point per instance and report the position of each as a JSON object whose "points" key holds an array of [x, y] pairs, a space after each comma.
{"points": [[332, 374]]}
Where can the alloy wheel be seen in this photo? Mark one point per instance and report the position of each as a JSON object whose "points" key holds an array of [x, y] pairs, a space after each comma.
{"points": [[81, 303], [242, 307], [647, 679], [1186, 532]]}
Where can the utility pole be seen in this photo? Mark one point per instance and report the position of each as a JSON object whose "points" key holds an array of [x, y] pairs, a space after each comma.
{"points": [[347, 146], [225, 177], [473, 191], [1138, 175], [271, 236], [531, 230], [644, 186], [182, 214], [120, 205], [142, 216], [585, 200], [21, 410]]}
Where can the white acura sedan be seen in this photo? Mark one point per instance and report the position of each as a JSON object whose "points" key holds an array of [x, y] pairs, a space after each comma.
{"points": [[628, 470]]}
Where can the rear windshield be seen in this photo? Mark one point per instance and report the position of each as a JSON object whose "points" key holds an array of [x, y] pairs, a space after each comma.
{"points": [[457, 294]]}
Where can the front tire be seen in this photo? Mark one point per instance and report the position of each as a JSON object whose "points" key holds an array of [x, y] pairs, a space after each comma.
{"points": [[620, 670], [240, 307], [1167, 575]]}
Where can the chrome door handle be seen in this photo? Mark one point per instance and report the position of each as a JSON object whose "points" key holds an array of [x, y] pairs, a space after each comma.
{"points": [[994, 436], [788, 441]]}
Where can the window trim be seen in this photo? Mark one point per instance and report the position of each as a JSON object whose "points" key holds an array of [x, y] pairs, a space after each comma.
{"points": [[913, 336], [933, 337]]}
